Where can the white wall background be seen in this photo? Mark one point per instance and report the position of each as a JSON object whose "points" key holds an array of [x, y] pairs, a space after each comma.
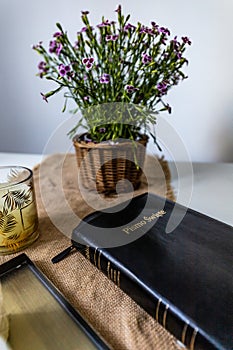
{"points": [[202, 105]]}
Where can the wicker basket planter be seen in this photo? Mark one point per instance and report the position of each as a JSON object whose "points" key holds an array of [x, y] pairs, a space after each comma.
{"points": [[103, 165]]}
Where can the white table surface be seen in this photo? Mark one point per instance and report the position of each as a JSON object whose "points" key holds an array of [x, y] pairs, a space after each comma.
{"points": [[212, 192]]}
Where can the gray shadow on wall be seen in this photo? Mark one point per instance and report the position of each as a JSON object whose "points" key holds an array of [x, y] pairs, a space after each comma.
{"points": [[224, 135]]}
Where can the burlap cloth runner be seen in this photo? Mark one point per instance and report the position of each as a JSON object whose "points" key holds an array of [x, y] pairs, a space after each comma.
{"points": [[112, 313]]}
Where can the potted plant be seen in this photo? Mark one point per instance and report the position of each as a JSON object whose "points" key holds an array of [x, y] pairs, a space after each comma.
{"points": [[117, 73]]}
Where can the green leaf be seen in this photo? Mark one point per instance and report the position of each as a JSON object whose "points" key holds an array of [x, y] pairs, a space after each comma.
{"points": [[53, 92], [59, 27], [127, 18], [64, 107]]}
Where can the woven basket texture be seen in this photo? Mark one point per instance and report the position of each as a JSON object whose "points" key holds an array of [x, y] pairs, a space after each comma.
{"points": [[110, 168]]}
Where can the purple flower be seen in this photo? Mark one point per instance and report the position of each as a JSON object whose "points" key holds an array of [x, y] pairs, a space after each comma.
{"points": [[63, 70], [162, 87], [58, 49], [105, 79], [147, 30], [88, 139], [130, 89], [105, 24], [55, 47], [70, 75], [102, 130], [37, 46], [177, 47], [52, 46], [57, 34], [42, 68], [151, 31], [108, 37], [88, 66], [88, 61], [146, 58], [186, 40], [144, 29], [86, 98], [118, 9], [175, 43], [128, 27], [101, 25], [112, 37], [44, 97], [84, 29], [164, 30], [154, 25]]}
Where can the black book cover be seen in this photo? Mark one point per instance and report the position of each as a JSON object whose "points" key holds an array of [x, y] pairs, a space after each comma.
{"points": [[183, 278]]}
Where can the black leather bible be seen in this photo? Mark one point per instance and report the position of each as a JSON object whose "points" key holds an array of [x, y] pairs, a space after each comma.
{"points": [[183, 278]]}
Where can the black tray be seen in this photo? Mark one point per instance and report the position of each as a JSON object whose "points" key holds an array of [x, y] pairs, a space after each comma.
{"points": [[39, 315]]}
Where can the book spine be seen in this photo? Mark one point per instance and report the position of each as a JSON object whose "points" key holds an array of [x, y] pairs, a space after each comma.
{"points": [[187, 333]]}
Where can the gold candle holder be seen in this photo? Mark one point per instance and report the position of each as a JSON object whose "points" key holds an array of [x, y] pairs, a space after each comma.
{"points": [[18, 213]]}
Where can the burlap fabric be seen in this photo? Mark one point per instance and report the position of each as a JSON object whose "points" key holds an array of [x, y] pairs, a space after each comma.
{"points": [[112, 313]]}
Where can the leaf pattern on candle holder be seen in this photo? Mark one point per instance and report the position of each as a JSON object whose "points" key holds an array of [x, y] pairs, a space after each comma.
{"points": [[13, 176], [17, 199], [7, 222]]}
